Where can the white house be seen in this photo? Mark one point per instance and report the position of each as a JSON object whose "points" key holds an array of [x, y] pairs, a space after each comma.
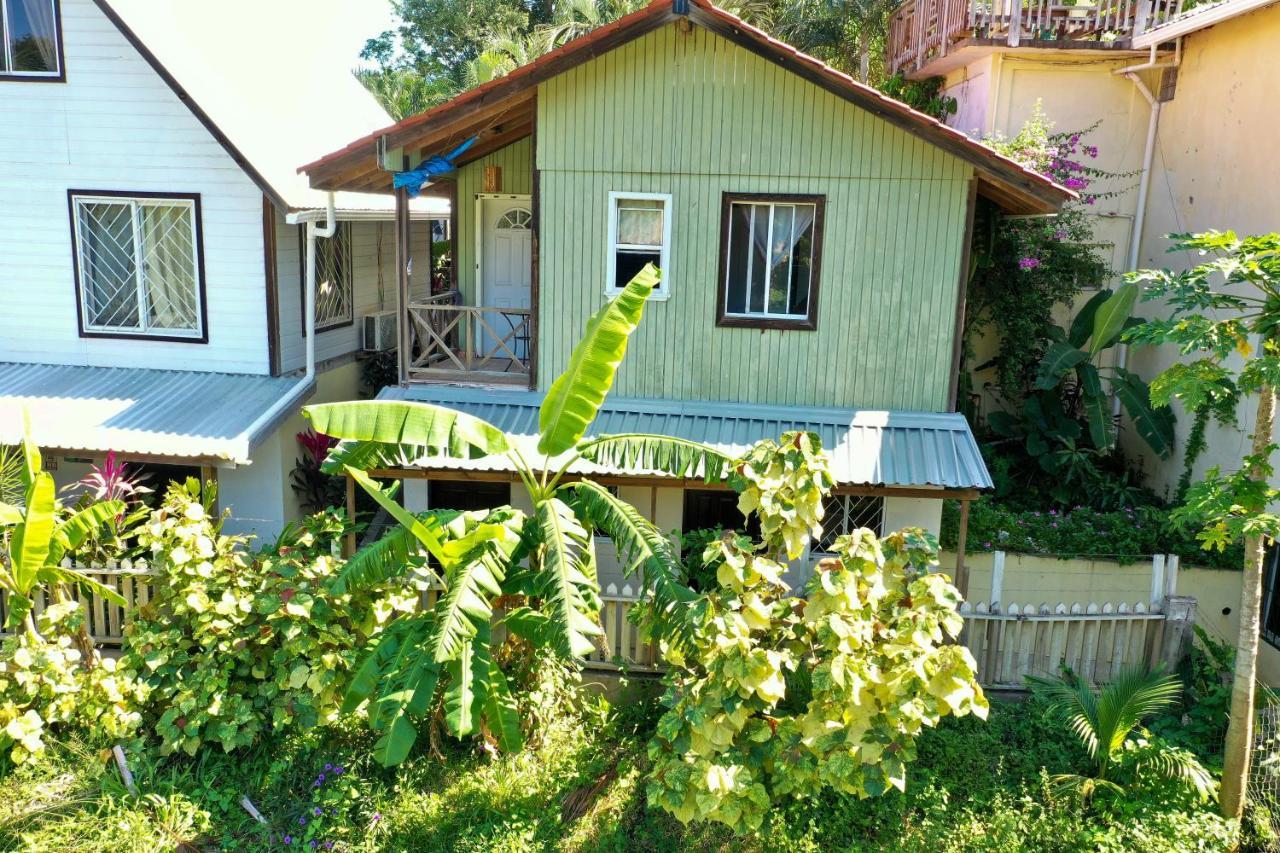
{"points": [[152, 235]]}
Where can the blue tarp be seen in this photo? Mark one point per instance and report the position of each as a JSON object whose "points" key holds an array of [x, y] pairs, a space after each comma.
{"points": [[434, 166]]}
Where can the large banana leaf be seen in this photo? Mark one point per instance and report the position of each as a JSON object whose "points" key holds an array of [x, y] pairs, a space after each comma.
{"points": [[1097, 407], [10, 515], [644, 549], [380, 661], [473, 581], [679, 457], [72, 532], [1059, 358], [577, 394], [426, 530], [407, 692], [390, 556], [395, 427], [30, 541], [1154, 425], [467, 692], [1110, 318], [57, 574], [566, 580], [502, 718], [1082, 325]]}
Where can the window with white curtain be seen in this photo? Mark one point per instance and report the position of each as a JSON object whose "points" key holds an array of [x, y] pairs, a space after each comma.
{"points": [[29, 39], [639, 234], [769, 260], [138, 265]]}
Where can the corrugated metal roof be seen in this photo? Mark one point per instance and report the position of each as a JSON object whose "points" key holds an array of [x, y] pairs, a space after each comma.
{"points": [[868, 448], [174, 413]]}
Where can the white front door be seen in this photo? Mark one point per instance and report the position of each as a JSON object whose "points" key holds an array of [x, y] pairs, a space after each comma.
{"points": [[506, 269]]}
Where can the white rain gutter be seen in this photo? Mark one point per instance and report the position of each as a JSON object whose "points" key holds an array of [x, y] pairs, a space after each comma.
{"points": [[306, 383], [1144, 182]]}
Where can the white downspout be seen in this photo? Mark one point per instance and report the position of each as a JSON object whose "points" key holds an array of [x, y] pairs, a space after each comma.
{"points": [[306, 382], [1144, 182]]}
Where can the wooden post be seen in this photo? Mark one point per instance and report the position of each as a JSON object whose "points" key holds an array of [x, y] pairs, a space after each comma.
{"points": [[403, 260], [351, 516], [962, 571], [1179, 616], [997, 579], [1157, 578]]}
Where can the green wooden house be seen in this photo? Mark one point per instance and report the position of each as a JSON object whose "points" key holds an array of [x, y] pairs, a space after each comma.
{"points": [[812, 235]]}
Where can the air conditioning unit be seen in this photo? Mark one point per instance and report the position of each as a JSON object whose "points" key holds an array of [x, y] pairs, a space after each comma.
{"points": [[378, 331]]}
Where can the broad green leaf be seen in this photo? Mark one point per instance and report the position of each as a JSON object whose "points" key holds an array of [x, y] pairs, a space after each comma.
{"points": [[72, 532], [473, 581], [1110, 318], [30, 541], [57, 574], [378, 662], [426, 530], [10, 515], [391, 556], [32, 463], [577, 394], [396, 743], [1082, 324], [467, 692], [390, 425], [1060, 358], [500, 713], [679, 457], [642, 548], [1097, 407], [407, 689], [1154, 425], [566, 579]]}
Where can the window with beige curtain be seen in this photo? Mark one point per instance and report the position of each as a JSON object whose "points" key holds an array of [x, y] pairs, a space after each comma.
{"points": [[29, 36], [138, 265]]}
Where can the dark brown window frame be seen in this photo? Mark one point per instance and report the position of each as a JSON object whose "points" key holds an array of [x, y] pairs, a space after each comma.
{"points": [[732, 321], [61, 76], [201, 285], [302, 279]]}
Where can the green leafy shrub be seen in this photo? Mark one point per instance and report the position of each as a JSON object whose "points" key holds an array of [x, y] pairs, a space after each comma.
{"points": [[45, 684], [234, 645], [1125, 535], [781, 697]]}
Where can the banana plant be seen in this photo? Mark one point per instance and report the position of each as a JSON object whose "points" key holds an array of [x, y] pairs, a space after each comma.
{"points": [[38, 534], [1096, 328], [543, 565]]}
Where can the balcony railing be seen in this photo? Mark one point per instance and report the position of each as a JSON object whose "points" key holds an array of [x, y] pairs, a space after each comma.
{"points": [[922, 31], [469, 342]]}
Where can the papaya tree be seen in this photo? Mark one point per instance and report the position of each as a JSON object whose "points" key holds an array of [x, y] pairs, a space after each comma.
{"points": [[542, 564], [37, 535], [1224, 321]]}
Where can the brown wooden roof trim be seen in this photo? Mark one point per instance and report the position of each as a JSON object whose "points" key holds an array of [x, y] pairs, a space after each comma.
{"points": [[1004, 181]]}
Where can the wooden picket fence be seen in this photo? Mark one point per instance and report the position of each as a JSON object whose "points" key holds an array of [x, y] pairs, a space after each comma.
{"points": [[1095, 640]]}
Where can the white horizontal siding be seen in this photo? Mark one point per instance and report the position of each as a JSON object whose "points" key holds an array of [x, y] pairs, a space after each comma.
{"points": [[366, 263], [115, 125]]}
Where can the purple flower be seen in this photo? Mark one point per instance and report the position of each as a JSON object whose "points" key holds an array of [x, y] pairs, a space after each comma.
{"points": [[339, 770], [377, 816], [288, 839], [320, 778], [315, 784], [328, 767], [328, 845], [1076, 183], [302, 821], [317, 811], [1029, 263], [314, 844], [1075, 139], [1059, 234]]}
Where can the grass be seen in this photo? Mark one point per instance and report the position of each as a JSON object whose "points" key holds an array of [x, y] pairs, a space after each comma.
{"points": [[976, 786]]}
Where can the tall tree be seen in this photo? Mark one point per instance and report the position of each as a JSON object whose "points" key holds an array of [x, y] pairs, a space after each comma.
{"points": [[843, 33], [1225, 320]]}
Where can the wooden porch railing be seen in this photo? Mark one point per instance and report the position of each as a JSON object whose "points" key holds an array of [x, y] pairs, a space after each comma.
{"points": [[452, 339], [921, 31]]}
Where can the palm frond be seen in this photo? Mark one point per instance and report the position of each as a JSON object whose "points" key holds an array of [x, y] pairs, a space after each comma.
{"points": [[1134, 695], [566, 580], [1178, 765], [679, 457], [1075, 702], [643, 549], [1082, 788]]}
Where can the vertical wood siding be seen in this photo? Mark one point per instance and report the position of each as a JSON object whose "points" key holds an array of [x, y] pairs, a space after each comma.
{"points": [[516, 161], [693, 115], [115, 125]]}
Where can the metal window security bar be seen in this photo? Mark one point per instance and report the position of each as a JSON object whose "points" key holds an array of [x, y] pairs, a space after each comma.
{"points": [[334, 279], [770, 263], [138, 265], [846, 513]]}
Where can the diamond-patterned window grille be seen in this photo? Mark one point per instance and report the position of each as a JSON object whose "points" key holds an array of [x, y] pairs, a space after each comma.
{"points": [[138, 262], [334, 280], [846, 513]]}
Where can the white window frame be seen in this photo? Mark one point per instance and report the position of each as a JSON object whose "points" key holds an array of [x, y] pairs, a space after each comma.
{"points": [[8, 72], [613, 288], [773, 208], [198, 334]]}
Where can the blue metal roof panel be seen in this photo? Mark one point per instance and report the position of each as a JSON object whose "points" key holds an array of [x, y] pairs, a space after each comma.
{"points": [[871, 448], [176, 413]]}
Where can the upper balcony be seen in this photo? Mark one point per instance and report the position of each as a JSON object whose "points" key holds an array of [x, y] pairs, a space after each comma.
{"points": [[930, 37], [453, 342]]}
